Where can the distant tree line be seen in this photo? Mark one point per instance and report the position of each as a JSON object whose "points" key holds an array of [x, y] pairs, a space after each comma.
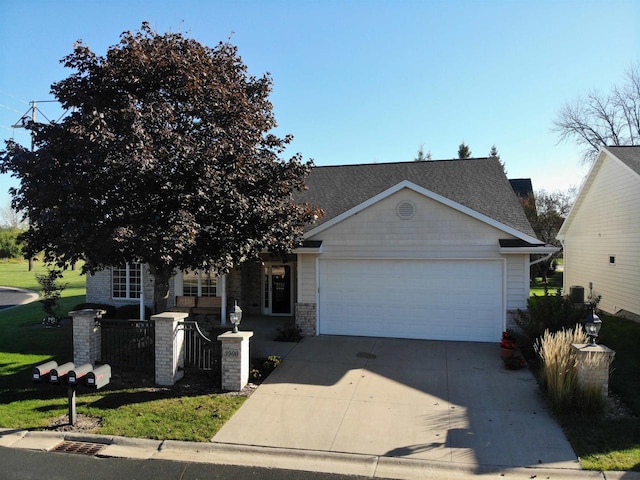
{"points": [[10, 247]]}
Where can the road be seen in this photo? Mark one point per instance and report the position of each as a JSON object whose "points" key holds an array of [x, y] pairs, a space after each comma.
{"points": [[18, 464]]}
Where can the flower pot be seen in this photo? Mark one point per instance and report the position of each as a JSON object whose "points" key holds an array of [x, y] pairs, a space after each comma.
{"points": [[506, 352]]}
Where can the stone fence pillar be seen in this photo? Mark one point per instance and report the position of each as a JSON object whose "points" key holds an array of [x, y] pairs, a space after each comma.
{"points": [[86, 336], [169, 347], [235, 360], [593, 365]]}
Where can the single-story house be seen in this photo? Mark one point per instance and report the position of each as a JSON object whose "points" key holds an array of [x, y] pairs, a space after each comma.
{"points": [[601, 234], [428, 250]]}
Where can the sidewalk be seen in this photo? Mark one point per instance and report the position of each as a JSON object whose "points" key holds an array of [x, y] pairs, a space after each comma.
{"points": [[368, 466]]}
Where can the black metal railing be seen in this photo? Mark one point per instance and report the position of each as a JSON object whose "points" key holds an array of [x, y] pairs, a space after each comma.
{"points": [[200, 352], [128, 343]]}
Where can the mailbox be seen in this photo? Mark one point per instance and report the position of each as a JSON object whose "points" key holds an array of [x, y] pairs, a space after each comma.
{"points": [[99, 376], [75, 376], [43, 370], [61, 371]]}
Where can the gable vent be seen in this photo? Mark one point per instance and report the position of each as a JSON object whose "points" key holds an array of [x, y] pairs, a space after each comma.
{"points": [[406, 210]]}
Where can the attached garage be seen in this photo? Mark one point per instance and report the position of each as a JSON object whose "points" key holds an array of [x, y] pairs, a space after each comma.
{"points": [[424, 299], [424, 250]]}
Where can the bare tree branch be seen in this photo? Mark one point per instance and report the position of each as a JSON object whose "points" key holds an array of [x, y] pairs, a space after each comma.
{"points": [[597, 120]]}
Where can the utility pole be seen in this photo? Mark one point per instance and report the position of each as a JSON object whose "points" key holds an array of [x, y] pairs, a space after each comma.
{"points": [[30, 116]]}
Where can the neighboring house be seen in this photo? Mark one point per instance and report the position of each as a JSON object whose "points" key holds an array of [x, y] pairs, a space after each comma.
{"points": [[601, 234], [522, 186], [431, 250]]}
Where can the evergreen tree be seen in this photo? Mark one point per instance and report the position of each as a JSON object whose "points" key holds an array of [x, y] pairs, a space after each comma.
{"points": [[421, 156], [493, 153], [464, 151]]}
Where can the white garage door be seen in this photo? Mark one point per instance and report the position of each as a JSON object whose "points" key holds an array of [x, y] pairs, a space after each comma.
{"points": [[427, 299]]}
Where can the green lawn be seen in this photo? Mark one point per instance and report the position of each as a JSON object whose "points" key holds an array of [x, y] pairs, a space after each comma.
{"points": [[23, 341], [553, 283], [179, 413]]}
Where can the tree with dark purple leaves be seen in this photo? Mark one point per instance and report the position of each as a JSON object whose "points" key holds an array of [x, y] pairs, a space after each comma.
{"points": [[166, 158]]}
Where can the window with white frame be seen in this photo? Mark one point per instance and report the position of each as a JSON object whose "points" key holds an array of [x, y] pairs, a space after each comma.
{"points": [[199, 284], [125, 281]]}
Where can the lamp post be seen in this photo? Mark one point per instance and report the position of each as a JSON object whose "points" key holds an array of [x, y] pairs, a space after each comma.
{"points": [[235, 316], [592, 325]]}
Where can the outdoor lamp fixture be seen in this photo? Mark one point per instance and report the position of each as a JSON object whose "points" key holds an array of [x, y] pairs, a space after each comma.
{"points": [[592, 325], [235, 316]]}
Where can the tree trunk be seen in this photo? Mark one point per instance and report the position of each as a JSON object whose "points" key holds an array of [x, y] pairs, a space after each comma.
{"points": [[161, 279]]}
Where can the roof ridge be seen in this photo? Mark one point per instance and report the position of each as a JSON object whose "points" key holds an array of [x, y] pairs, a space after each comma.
{"points": [[404, 162]]}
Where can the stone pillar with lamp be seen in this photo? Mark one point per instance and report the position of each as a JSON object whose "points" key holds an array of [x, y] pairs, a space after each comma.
{"points": [[235, 353]]}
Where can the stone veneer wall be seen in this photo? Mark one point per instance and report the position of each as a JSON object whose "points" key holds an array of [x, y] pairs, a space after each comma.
{"points": [[306, 318]]}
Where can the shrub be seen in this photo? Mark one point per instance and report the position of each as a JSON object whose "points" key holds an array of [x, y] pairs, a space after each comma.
{"points": [[51, 292], [552, 312], [559, 376], [289, 333], [261, 368]]}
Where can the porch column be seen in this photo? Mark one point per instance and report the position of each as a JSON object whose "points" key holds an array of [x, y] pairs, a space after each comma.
{"points": [[222, 283]]}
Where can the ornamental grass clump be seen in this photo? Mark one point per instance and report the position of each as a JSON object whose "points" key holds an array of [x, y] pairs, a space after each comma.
{"points": [[558, 376]]}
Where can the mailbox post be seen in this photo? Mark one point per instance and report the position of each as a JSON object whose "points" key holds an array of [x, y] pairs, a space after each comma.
{"points": [[92, 377]]}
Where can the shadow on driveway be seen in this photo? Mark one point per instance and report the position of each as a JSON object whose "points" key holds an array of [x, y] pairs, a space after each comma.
{"points": [[428, 400]]}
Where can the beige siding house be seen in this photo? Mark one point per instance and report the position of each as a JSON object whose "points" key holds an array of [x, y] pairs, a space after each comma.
{"points": [[601, 234], [429, 250]]}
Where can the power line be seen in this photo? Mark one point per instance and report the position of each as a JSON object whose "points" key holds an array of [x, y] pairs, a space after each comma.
{"points": [[9, 108], [14, 97]]}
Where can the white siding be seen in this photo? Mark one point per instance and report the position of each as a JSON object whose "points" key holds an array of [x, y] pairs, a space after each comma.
{"points": [[605, 223], [436, 231], [518, 282], [307, 278]]}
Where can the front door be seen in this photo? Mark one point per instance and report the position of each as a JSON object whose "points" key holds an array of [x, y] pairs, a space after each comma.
{"points": [[278, 290]]}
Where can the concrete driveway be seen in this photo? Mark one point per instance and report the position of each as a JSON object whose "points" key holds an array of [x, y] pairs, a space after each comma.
{"points": [[425, 400]]}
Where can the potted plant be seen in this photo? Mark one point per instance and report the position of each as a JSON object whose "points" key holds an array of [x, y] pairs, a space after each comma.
{"points": [[514, 363], [507, 344]]}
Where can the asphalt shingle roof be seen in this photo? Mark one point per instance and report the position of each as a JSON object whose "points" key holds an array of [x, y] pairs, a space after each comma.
{"points": [[629, 155], [479, 184]]}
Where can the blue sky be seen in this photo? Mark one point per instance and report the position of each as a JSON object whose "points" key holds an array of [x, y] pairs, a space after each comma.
{"points": [[365, 81]]}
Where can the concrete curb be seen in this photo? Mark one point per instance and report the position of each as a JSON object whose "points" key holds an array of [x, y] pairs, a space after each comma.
{"points": [[370, 466]]}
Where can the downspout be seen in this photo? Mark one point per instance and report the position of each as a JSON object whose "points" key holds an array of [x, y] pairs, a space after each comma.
{"points": [[541, 259], [564, 259]]}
